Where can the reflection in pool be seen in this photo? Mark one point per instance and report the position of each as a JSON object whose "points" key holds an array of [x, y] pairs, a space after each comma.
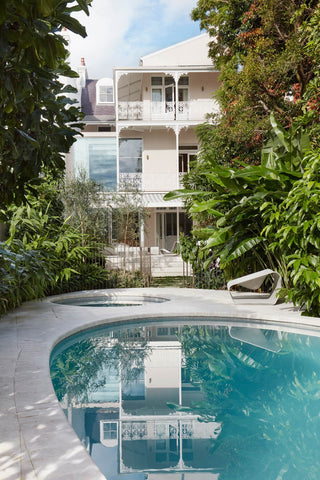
{"points": [[181, 401]]}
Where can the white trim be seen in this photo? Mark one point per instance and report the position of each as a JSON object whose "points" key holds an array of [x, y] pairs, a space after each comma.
{"points": [[151, 69]]}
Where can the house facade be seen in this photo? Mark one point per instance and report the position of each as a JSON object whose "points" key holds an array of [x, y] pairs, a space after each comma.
{"points": [[140, 130]]}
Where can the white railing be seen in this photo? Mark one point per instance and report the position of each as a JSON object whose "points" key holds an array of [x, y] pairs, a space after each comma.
{"points": [[130, 181], [130, 110], [195, 110]]}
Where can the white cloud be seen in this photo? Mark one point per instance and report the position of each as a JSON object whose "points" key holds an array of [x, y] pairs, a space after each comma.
{"points": [[120, 32], [178, 7]]}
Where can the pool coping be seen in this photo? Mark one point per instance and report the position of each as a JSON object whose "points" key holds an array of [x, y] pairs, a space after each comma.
{"points": [[37, 442]]}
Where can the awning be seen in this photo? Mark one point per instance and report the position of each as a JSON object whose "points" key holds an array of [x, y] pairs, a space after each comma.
{"points": [[148, 200], [155, 200]]}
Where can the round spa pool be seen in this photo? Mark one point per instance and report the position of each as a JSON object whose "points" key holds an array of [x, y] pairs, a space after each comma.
{"points": [[108, 300], [198, 399]]}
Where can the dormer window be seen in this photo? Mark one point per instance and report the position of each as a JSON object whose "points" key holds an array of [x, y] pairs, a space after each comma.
{"points": [[105, 90]]}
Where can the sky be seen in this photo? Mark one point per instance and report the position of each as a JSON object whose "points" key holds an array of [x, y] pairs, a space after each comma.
{"points": [[120, 32]]}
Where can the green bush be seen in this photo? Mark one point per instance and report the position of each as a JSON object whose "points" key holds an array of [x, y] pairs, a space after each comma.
{"points": [[24, 275], [294, 233]]}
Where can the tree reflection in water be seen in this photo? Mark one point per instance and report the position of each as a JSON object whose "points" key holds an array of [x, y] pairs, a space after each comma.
{"points": [[76, 372], [268, 404]]}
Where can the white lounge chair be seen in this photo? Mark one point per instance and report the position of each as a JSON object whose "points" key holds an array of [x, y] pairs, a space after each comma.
{"points": [[253, 282]]}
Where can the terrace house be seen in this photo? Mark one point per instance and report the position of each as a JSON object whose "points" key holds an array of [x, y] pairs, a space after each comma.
{"points": [[140, 130]]}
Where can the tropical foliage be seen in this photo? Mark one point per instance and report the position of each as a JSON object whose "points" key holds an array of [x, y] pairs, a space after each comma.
{"points": [[45, 253], [193, 253], [260, 48], [234, 203], [293, 230], [248, 193], [37, 119], [88, 364]]}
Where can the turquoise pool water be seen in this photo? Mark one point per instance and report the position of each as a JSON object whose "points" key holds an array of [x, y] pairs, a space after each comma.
{"points": [[108, 300], [193, 400]]}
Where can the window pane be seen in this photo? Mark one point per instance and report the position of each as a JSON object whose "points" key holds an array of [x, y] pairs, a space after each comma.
{"points": [[110, 431], [183, 94], [130, 155], [156, 80], [183, 81], [98, 158], [156, 95], [105, 94], [162, 331], [183, 162], [169, 81], [130, 147]]}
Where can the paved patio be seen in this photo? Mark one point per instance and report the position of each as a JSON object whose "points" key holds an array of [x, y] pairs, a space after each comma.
{"points": [[36, 440]]}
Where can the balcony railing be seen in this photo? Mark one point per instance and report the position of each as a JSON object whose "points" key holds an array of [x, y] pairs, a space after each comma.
{"points": [[130, 181], [156, 111], [130, 111], [167, 111]]}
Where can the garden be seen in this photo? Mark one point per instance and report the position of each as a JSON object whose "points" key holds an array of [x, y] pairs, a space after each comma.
{"points": [[253, 193]]}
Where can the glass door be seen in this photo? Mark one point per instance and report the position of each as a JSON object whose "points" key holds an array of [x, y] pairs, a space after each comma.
{"points": [[166, 229], [170, 97], [156, 95]]}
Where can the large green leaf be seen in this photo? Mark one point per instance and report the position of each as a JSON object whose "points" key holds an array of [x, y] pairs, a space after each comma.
{"points": [[72, 24], [244, 247], [181, 194], [280, 132]]}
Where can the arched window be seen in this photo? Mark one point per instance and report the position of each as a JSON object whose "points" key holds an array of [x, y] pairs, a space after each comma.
{"points": [[104, 90]]}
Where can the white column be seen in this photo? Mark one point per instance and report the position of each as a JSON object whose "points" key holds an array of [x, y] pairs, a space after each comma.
{"points": [[178, 223], [177, 132]]}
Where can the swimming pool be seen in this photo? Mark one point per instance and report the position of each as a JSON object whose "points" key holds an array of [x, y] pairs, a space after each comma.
{"points": [[193, 397], [107, 300]]}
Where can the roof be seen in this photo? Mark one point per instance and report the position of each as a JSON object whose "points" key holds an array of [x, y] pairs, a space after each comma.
{"points": [[193, 51], [90, 108]]}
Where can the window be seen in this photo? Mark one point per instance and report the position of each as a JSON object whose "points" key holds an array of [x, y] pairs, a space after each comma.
{"points": [[156, 81], [104, 90], [98, 158], [162, 331], [186, 161], [130, 155], [110, 431], [104, 129], [161, 444], [183, 80], [105, 94]]}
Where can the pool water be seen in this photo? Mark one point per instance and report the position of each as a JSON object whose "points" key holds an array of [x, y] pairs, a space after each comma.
{"points": [[186, 400], [107, 300]]}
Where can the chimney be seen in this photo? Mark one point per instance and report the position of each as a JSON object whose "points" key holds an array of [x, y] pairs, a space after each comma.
{"points": [[64, 33], [83, 74]]}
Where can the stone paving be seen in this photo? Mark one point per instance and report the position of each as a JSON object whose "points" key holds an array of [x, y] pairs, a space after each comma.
{"points": [[36, 440]]}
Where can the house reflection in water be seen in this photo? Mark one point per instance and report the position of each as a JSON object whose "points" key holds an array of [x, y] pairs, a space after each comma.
{"points": [[128, 427]]}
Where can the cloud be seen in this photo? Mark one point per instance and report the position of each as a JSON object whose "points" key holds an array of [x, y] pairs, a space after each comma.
{"points": [[173, 8], [119, 35]]}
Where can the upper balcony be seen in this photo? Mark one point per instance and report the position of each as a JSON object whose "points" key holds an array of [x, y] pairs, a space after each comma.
{"points": [[148, 111], [164, 95]]}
